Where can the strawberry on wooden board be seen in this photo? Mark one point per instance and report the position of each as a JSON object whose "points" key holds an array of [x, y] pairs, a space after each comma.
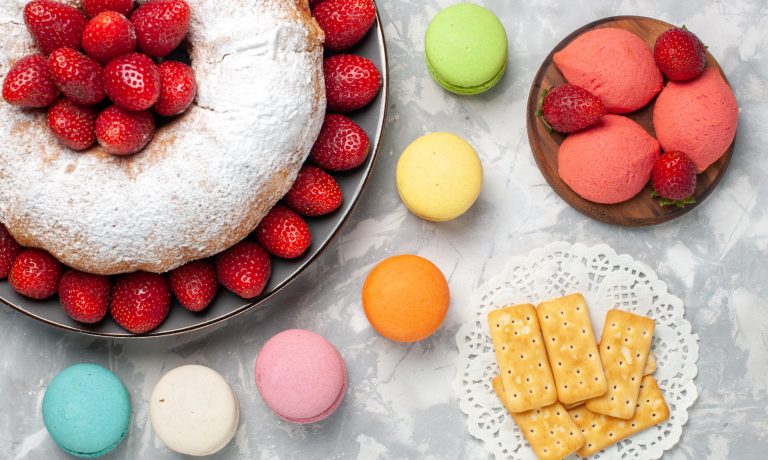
{"points": [[28, 83], [132, 81], [315, 193], [341, 145], [35, 274], [123, 132], [140, 301], [177, 88], [73, 125], [195, 284], [84, 297], [674, 179], [569, 108], [244, 269], [351, 82], [109, 35], [54, 25], [161, 26], [9, 249], [344, 22], [94, 7], [283, 233], [680, 54], [79, 77]]}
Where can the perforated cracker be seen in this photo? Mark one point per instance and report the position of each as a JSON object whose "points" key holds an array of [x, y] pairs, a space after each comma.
{"points": [[624, 349], [522, 358], [572, 349], [550, 430], [601, 431], [650, 365]]}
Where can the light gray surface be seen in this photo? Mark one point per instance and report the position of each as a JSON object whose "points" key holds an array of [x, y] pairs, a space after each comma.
{"points": [[401, 401]]}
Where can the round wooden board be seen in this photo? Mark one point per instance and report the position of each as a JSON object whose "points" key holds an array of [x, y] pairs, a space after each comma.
{"points": [[641, 210]]}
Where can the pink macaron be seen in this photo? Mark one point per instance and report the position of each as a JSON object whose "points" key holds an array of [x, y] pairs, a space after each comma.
{"points": [[301, 376]]}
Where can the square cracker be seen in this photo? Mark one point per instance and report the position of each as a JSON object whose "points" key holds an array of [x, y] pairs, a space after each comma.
{"points": [[522, 358], [601, 431], [550, 430], [624, 349], [572, 349]]}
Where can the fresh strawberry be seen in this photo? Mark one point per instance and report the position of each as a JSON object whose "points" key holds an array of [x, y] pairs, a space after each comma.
{"points": [[313, 3], [73, 125], [569, 108], [85, 297], [9, 249], [341, 145], [123, 132], [177, 88], [35, 274], [161, 26], [680, 54], [345, 22], [284, 233], [93, 7], [28, 84], [79, 77], [132, 81], [108, 36], [244, 269], [195, 284], [140, 301], [674, 179], [314, 193], [54, 25], [351, 82]]}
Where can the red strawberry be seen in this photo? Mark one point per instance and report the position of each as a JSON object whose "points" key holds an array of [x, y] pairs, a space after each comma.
{"points": [[314, 193], [341, 145], [674, 179], [140, 301], [54, 25], [284, 233], [35, 274], [177, 88], [9, 249], [79, 77], [345, 22], [161, 26], [244, 269], [123, 132], [680, 54], [28, 83], [569, 108], [74, 125], [132, 81], [94, 7], [195, 284], [351, 82], [313, 3], [108, 36], [85, 297]]}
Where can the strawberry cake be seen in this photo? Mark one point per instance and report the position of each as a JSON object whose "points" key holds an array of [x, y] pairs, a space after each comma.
{"points": [[614, 65], [206, 179], [698, 117], [610, 162]]}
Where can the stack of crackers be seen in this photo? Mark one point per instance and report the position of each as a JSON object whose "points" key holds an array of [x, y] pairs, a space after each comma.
{"points": [[567, 393]]}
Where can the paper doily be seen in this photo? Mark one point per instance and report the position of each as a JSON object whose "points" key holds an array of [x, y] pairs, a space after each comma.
{"points": [[608, 281]]}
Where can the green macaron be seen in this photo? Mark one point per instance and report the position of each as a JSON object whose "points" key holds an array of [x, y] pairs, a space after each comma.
{"points": [[466, 49]]}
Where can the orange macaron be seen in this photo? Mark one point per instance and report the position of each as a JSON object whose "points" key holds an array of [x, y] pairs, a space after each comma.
{"points": [[406, 298]]}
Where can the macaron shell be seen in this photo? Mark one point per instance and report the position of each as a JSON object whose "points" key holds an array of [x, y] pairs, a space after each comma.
{"points": [[466, 48], [439, 177], [87, 410], [194, 411], [301, 376]]}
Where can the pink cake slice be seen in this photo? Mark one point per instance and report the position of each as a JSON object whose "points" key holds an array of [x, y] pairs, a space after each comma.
{"points": [[614, 65], [610, 162], [697, 117]]}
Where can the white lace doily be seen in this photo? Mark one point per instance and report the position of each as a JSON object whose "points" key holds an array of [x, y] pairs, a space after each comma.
{"points": [[608, 281]]}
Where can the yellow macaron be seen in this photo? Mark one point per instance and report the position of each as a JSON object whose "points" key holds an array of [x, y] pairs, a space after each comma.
{"points": [[439, 176]]}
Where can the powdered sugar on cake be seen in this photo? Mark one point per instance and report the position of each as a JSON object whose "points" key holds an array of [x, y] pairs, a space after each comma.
{"points": [[207, 178]]}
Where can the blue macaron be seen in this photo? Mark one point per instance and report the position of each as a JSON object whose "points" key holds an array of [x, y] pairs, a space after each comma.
{"points": [[87, 410]]}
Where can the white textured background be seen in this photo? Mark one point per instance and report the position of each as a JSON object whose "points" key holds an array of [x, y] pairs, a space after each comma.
{"points": [[401, 401]]}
